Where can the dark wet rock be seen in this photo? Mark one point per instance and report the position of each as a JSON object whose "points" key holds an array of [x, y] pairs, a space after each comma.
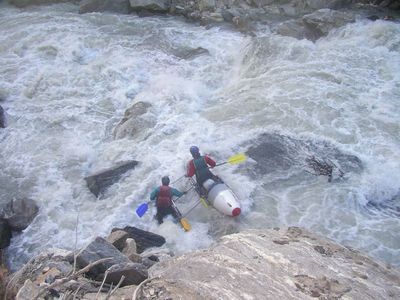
{"points": [[2, 118], [136, 123], [144, 239], [191, 53], [100, 181], [134, 273], [150, 5], [20, 212], [278, 153], [97, 250], [5, 234], [116, 6]]}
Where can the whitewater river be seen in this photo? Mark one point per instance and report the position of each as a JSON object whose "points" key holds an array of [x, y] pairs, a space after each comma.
{"points": [[66, 80]]}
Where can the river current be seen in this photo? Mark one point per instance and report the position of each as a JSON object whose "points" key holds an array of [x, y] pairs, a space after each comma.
{"points": [[66, 80]]}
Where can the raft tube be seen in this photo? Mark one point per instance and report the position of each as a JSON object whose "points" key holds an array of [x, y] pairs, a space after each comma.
{"points": [[222, 198]]}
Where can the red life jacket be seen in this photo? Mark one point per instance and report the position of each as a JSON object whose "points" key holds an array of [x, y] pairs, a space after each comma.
{"points": [[164, 196]]}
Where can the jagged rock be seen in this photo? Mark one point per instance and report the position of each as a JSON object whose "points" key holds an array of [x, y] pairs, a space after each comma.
{"points": [[250, 265], [52, 259], [97, 250], [20, 213], [100, 181], [136, 122], [28, 291], [130, 250], [134, 273], [150, 5], [321, 22], [292, 28], [143, 239], [118, 239], [2, 118], [5, 234], [116, 6]]}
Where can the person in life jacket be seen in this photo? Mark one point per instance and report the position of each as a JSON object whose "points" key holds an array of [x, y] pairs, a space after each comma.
{"points": [[163, 196], [200, 166]]}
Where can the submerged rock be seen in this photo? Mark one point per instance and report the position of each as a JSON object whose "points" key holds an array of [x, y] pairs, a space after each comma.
{"points": [[272, 264], [279, 153], [100, 181], [136, 122], [2, 118]]}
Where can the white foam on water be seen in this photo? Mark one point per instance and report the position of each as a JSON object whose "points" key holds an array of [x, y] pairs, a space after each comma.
{"points": [[68, 79]]}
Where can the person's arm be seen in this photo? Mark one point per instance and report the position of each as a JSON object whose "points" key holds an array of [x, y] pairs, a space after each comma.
{"points": [[190, 169], [210, 161], [176, 193], [154, 193]]}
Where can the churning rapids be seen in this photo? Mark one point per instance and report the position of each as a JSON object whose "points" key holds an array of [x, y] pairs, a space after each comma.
{"points": [[66, 80]]}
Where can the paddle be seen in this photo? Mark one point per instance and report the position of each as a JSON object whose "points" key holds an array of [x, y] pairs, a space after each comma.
{"points": [[234, 159], [184, 222], [141, 210]]}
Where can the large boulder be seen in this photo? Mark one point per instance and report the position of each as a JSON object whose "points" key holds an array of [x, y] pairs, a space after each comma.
{"points": [[321, 22], [272, 264], [136, 122], [96, 250], [2, 118], [134, 273], [20, 212], [116, 6], [144, 239], [100, 181], [150, 5], [316, 25]]}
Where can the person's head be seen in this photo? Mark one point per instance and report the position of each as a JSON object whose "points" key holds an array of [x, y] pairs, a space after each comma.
{"points": [[165, 180], [194, 150]]}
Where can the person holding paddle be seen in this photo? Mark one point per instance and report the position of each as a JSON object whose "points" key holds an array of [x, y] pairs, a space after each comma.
{"points": [[200, 166], [163, 196]]}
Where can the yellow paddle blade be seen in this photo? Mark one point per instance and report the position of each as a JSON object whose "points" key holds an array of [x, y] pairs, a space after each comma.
{"points": [[185, 224], [204, 202], [237, 158]]}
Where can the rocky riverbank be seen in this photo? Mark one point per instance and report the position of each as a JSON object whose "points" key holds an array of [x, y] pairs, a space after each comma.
{"points": [[308, 19], [289, 263]]}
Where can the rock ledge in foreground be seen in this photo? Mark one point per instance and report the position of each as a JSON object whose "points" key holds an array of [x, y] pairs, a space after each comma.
{"points": [[272, 264]]}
